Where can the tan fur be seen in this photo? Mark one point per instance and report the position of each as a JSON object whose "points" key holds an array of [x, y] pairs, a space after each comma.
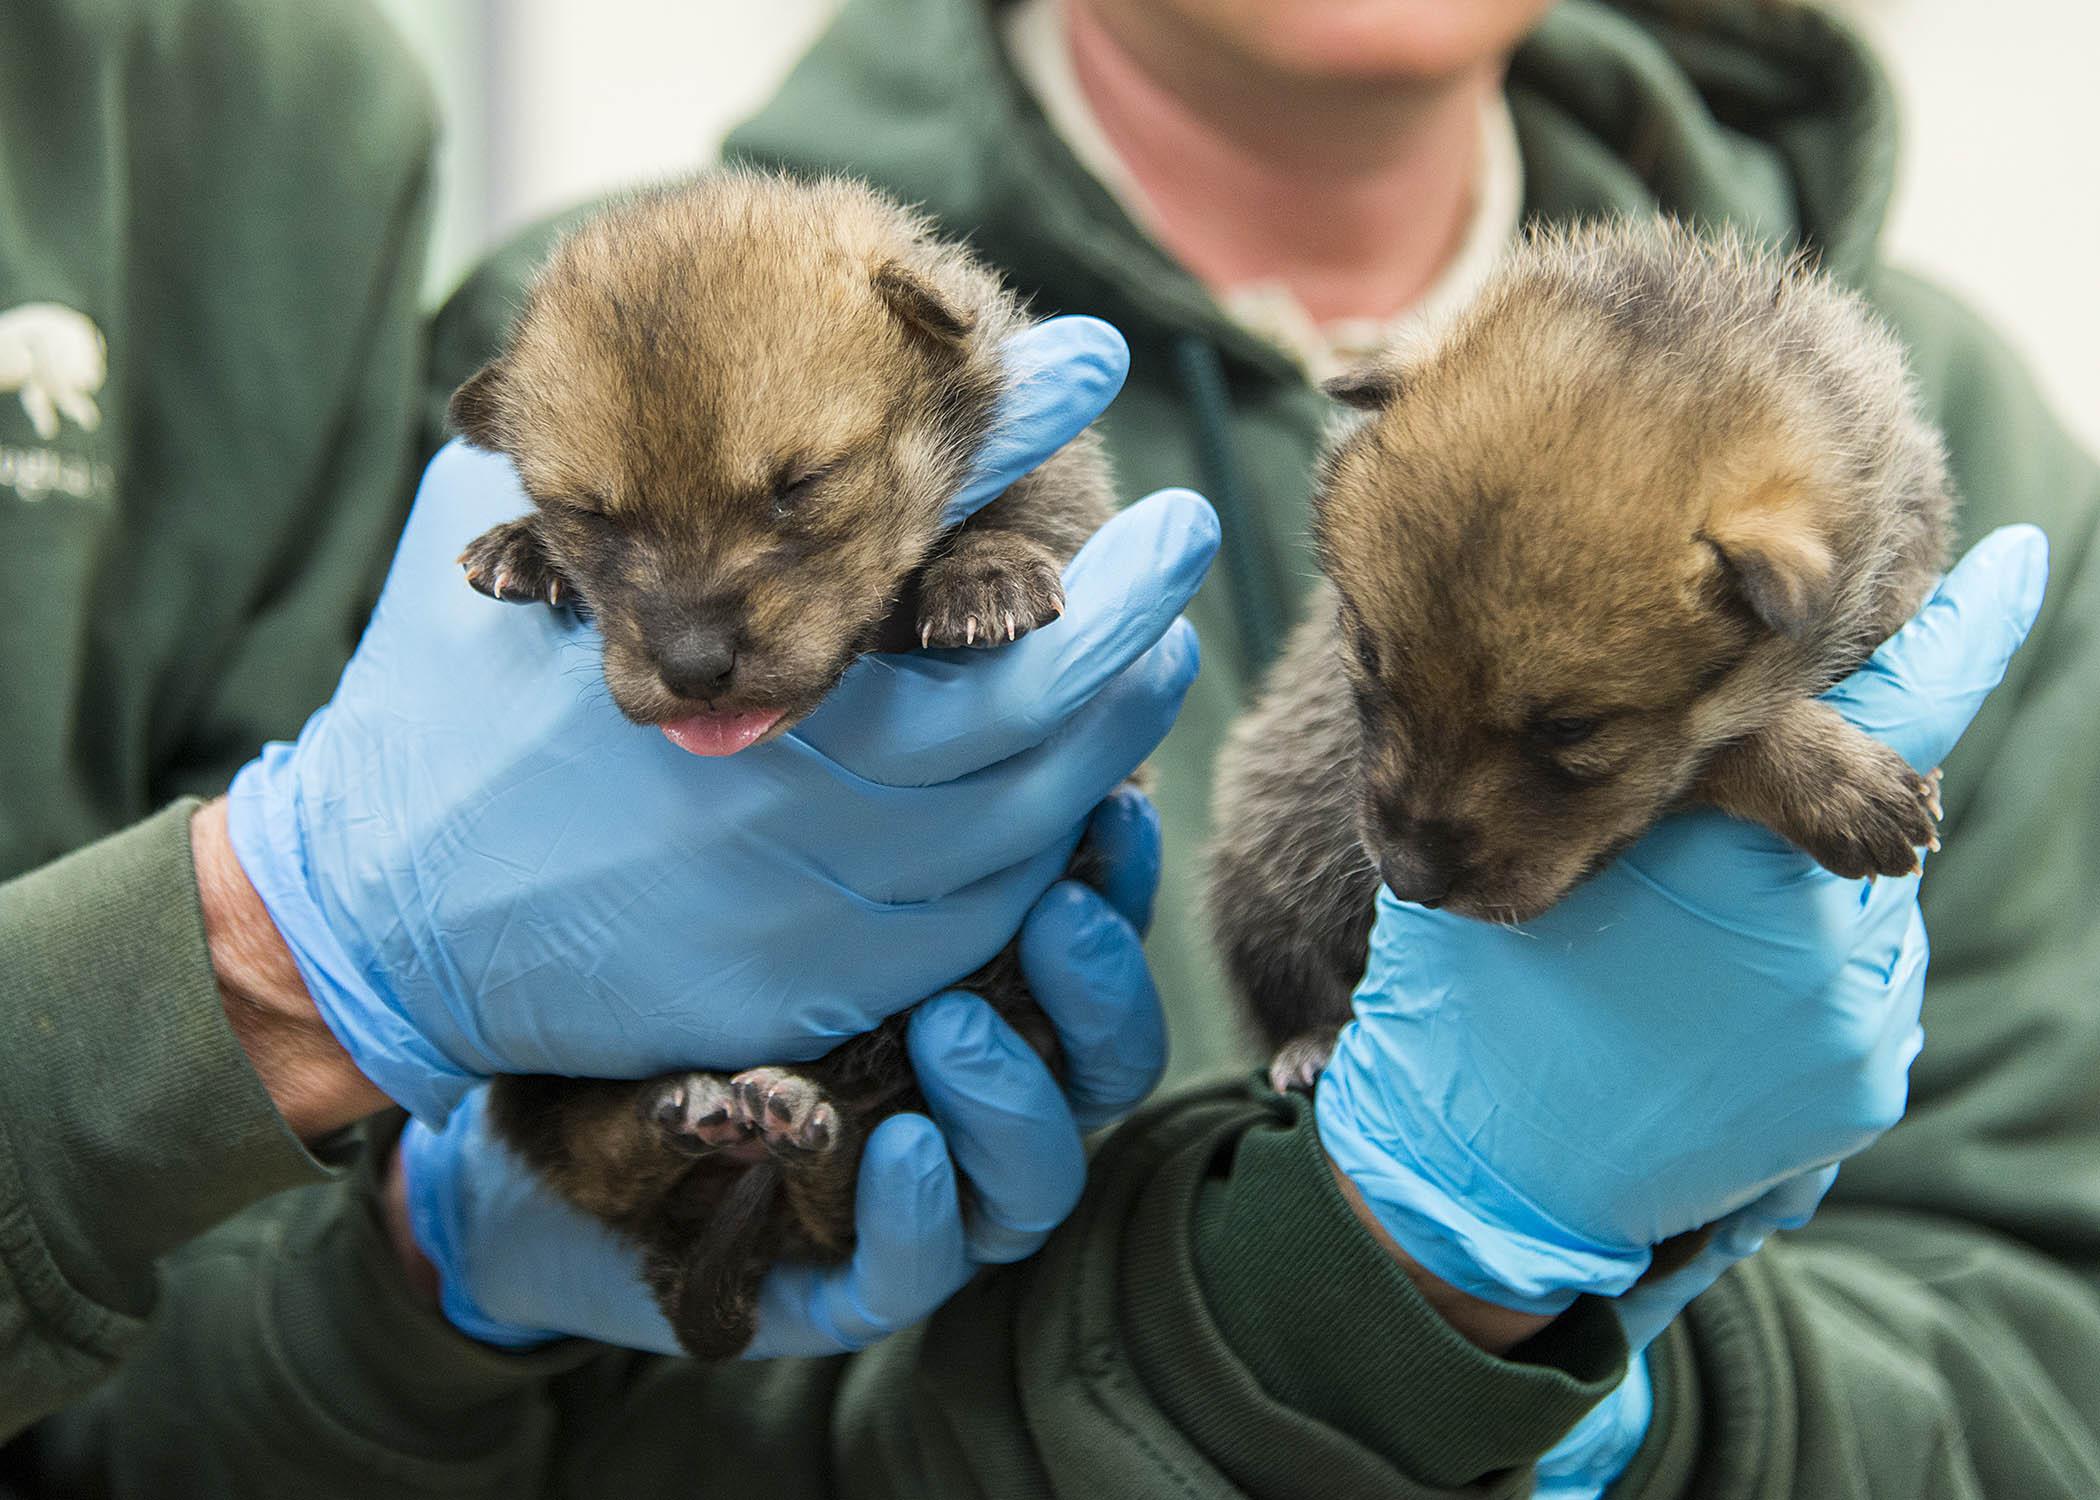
{"points": [[739, 405], [1590, 551], [687, 355]]}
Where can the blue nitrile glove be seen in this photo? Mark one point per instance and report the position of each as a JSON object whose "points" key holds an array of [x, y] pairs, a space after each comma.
{"points": [[482, 868], [517, 1266], [1597, 1449], [1710, 1020]]}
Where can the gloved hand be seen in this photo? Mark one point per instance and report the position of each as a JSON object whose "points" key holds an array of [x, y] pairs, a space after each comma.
{"points": [[1529, 1110], [481, 867], [517, 1266], [1694, 1037]]}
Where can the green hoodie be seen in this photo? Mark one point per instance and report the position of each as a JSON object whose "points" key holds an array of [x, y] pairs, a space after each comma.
{"points": [[1213, 1321], [211, 237]]}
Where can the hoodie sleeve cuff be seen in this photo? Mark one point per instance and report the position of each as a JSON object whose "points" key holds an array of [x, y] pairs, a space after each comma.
{"points": [[379, 1360], [1330, 1325], [130, 1110]]}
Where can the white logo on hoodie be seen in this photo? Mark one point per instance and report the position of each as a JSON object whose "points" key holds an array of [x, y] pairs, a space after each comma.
{"points": [[55, 358]]}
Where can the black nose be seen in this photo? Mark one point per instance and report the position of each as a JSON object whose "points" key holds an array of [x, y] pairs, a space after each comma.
{"points": [[1423, 863], [698, 661]]}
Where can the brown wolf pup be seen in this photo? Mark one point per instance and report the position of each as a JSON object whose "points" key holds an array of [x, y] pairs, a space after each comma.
{"points": [[739, 405], [1590, 555]]}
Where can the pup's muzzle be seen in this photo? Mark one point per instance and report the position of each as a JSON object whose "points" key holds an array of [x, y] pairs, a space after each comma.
{"points": [[1424, 863]]}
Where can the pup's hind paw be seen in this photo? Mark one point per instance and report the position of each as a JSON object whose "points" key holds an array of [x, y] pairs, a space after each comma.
{"points": [[1299, 1062], [507, 562], [1876, 823], [785, 1110], [988, 591], [697, 1113]]}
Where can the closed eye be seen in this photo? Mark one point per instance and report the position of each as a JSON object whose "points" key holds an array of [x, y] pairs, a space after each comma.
{"points": [[1359, 639], [1366, 652], [795, 486], [1562, 732], [586, 506]]}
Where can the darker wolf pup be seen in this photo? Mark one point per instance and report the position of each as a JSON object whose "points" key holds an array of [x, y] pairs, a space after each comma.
{"points": [[1590, 555]]}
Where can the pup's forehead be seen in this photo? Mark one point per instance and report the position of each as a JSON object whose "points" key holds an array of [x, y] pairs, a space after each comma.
{"points": [[722, 361], [1495, 595]]}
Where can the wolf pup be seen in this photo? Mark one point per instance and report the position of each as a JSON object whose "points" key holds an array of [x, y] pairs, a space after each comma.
{"points": [[1589, 557], [739, 405]]}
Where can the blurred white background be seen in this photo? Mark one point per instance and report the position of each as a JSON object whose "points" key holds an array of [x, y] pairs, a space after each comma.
{"points": [[551, 101]]}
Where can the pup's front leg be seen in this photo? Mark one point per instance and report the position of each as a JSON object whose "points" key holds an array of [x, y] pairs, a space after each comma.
{"points": [[991, 586], [508, 562], [1848, 800]]}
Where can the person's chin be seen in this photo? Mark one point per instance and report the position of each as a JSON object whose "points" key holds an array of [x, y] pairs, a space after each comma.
{"points": [[1397, 40]]}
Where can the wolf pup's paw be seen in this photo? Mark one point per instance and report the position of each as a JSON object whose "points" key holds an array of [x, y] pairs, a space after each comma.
{"points": [[989, 590], [786, 1111], [507, 562], [696, 1113], [1299, 1062], [1876, 821]]}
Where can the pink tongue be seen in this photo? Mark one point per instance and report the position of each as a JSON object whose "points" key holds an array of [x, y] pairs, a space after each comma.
{"points": [[720, 733]]}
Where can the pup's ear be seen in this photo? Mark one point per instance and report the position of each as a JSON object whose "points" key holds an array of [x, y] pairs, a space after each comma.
{"points": [[1371, 387], [476, 408], [920, 304], [1775, 561]]}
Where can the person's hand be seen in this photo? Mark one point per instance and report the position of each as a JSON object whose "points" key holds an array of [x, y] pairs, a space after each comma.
{"points": [[480, 867], [517, 1266], [1711, 1020], [1693, 1038]]}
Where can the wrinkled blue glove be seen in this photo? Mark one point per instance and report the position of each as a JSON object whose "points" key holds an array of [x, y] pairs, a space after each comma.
{"points": [[481, 867], [1695, 1035], [518, 1266]]}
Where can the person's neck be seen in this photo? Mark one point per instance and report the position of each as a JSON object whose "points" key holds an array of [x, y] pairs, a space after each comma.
{"points": [[1351, 194]]}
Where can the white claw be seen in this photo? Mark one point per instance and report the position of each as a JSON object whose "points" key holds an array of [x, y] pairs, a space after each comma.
{"points": [[502, 583], [1009, 624], [970, 631], [554, 592], [926, 635]]}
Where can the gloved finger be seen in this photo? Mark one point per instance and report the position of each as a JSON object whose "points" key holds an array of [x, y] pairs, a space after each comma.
{"points": [[437, 1216], [1006, 1121], [1085, 965], [1008, 810], [1646, 1310], [1124, 847], [517, 1265], [1788, 1206], [1597, 1450], [908, 1256], [463, 492], [955, 933], [1061, 374], [1921, 689], [1877, 1037], [931, 716]]}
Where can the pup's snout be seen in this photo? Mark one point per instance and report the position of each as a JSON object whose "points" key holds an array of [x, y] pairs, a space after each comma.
{"points": [[699, 661], [1424, 862]]}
